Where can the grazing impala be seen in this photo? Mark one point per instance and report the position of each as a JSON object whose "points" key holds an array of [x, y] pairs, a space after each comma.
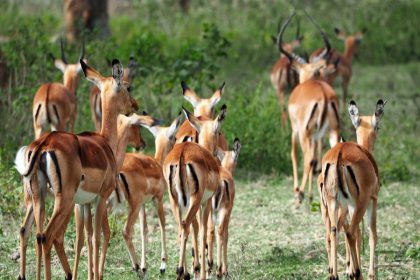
{"points": [[349, 186], [141, 180], [203, 109], [55, 104], [344, 67], [95, 94], [282, 74], [313, 108], [192, 174], [222, 205], [79, 169]]}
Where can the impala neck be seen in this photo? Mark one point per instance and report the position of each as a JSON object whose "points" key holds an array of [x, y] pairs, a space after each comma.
{"points": [[122, 141], [70, 81], [350, 50], [160, 156], [109, 125]]}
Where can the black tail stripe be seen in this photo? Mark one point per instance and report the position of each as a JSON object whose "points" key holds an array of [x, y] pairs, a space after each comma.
{"points": [[195, 178], [353, 177], [37, 111], [340, 176], [327, 167], [171, 180], [118, 194], [56, 113], [181, 179], [124, 180], [227, 188], [32, 162], [312, 115], [217, 197], [57, 168]]}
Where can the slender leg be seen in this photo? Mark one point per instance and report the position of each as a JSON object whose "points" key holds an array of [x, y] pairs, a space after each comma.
{"points": [[307, 159], [210, 243], [89, 234], [99, 213], [143, 233], [79, 221], [203, 237], [196, 252], [59, 246], [294, 157], [38, 202], [333, 217], [107, 234], [25, 232], [373, 237], [128, 233], [161, 214]]}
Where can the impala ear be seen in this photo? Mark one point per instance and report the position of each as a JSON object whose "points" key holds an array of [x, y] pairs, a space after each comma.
{"points": [[143, 120], [340, 34], [60, 65], [192, 120], [236, 148], [170, 133], [91, 74], [379, 112], [220, 154], [354, 114], [190, 95], [221, 117], [117, 72], [217, 95]]}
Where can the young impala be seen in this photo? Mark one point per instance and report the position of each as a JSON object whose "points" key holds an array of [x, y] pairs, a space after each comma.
{"points": [[222, 205], [192, 174], [55, 104], [349, 186], [282, 75], [79, 169], [313, 108], [95, 94], [141, 179], [345, 60], [204, 110]]}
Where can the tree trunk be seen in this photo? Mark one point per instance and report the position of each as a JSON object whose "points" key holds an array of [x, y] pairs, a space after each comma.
{"points": [[86, 15]]}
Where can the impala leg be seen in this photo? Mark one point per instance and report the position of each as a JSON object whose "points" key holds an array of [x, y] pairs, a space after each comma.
{"points": [[345, 86], [79, 221], [159, 206], [210, 243], [99, 214], [195, 249], [224, 234], [280, 96], [59, 246], [59, 219], [143, 233], [89, 233], [73, 119], [324, 213], [107, 234], [312, 166], [294, 156], [373, 237], [38, 202], [185, 228], [333, 217], [307, 159], [25, 232], [203, 237], [128, 233]]}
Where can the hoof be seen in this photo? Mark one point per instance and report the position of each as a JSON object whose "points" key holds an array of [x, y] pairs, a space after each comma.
{"points": [[144, 270], [69, 276], [162, 271], [21, 277], [187, 276], [136, 267], [311, 198]]}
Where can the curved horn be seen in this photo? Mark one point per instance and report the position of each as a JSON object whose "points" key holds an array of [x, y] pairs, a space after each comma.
{"points": [[327, 44], [63, 57], [82, 53], [290, 56]]}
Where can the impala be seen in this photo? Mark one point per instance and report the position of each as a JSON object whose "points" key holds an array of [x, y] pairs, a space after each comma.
{"points": [[55, 104], [282, 74], [204, 109], [79, 169], [192, 175], [313, 108], [222, 205], [95, 94], [345, 60], [141, 179], [349, 186]]}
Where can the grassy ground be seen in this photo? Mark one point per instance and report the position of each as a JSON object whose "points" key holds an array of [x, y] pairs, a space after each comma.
{"points": [[269, 239]]}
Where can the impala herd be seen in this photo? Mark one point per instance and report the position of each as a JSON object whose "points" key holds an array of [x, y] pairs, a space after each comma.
{"points": [[192, 163]]}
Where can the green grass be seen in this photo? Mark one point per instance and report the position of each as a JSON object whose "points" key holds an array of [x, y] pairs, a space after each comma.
{"points": [[269, 239]]}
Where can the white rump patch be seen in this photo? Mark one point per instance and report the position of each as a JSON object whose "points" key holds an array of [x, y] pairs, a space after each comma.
{"points": [[20, 162]]}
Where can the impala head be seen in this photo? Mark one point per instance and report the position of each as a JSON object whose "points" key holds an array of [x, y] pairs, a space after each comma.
{"points": [[291, 46], [207, 129], [229, 159], [114, 90], [70, 71], [202, 106], [366, 126], [307, 71], [164, 138], [130, 71], [134, 138], [352, 41]]}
